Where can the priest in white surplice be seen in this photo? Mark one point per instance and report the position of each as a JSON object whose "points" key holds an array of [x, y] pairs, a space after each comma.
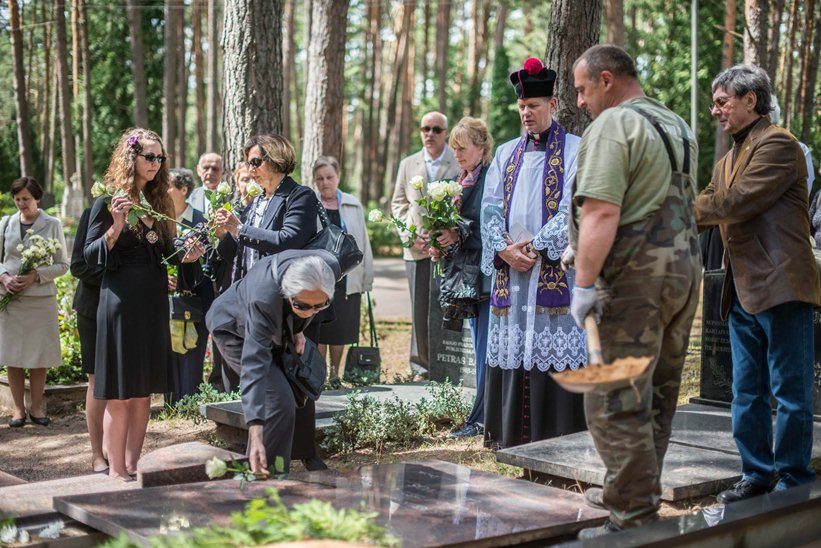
{"points": [[524, 229]]}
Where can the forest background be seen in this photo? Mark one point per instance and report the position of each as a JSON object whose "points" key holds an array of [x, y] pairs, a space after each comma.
{"points": [[352, 77]]}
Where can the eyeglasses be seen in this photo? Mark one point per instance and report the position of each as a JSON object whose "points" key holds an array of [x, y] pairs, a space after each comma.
{"points": [[255, 162], [299, 305], [151, 158], [720, 102], [436, 129]]}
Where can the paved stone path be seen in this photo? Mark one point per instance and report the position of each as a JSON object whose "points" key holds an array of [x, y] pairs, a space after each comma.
{"points": [[390, 290]]}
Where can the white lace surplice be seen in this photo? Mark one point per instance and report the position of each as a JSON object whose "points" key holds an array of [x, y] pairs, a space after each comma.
{"points": [[524, 338]]}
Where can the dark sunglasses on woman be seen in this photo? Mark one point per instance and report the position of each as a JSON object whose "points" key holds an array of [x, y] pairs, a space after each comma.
{"points": [[299, 305], [255, 162], [153, 158]]}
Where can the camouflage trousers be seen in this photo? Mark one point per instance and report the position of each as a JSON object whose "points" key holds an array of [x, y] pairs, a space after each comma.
{"points": [[631, 425]]}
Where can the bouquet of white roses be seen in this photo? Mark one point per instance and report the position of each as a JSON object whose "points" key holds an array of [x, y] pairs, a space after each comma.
{"points": [[39, 252]]}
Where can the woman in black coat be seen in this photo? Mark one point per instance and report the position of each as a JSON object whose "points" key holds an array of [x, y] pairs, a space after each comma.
{"points": [[283, 217], [465, 290]]}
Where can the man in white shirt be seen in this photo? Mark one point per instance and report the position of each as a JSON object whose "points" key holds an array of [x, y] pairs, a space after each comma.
{"points": [[209, 169], [434, 162]]}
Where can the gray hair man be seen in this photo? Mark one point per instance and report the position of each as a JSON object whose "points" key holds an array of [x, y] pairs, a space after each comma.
{"points": [[758, 198], [434, 162], [254, 323], [209, 170]]}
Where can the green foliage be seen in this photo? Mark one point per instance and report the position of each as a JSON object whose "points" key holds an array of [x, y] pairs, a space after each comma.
{"points": [[188, 407], [370, 423], [71, 372], [503, 120], [267, 520], [385, 242]]}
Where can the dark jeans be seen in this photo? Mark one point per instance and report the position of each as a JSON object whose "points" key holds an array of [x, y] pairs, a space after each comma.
{"points": [[478, 330], [419, 284], [773, 352]]}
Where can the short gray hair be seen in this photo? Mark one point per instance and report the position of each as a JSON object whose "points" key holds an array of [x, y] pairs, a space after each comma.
{"points": [[309, 273], [181, 178], [742, 79]]}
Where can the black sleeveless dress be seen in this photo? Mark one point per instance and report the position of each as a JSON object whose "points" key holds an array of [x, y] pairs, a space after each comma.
{"points": [[132, 347]]}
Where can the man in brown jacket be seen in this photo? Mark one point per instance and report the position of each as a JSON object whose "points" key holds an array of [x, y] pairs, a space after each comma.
{"points": [[758, 198]]}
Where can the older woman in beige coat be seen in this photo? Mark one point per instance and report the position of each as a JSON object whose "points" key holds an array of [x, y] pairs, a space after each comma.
{"points": [[29, 332], [347, 212]]}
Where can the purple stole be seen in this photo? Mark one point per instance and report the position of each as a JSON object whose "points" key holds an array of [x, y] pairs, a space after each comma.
{"points": [[552, 293]]}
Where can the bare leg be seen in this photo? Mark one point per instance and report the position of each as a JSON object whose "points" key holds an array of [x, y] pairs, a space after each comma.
{"points": [[17, 384], [115, 425], [95, 409], [336, 358], [138, 412], [37, 381]]}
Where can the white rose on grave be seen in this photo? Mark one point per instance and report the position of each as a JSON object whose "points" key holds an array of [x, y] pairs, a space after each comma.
{"points": [[215, 468]]}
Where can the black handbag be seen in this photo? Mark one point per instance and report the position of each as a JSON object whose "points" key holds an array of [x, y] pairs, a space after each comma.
{"points": [[335, 240], [187, 308], [363, 363], [305, 372]]}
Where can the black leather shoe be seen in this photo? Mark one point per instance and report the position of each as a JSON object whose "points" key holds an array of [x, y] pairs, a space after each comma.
{"points": [[595, 497], [742, 490], [314, 464], [467, 431], [17, 423], [42, 421], [595, 532]]}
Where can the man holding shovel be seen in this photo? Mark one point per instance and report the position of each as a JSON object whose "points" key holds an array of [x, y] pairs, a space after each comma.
{"points": [[638, 270]]}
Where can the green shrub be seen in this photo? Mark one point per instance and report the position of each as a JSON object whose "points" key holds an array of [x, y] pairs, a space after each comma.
{"points": [[445, 408], [71, 372], [188, 407]]}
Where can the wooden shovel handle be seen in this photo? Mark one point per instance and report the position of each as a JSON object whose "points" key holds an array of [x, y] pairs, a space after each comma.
{"points": [[594, 354]]}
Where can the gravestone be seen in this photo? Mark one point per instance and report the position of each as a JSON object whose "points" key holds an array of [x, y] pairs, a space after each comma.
{"points": [[451, 352], [716, 386], [431, 503]]}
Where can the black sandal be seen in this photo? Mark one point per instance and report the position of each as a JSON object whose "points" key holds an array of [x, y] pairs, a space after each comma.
{"points": [[17, 423], [42, 421]]}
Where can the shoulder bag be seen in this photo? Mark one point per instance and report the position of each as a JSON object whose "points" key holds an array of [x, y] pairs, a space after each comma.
{"points": [[363, 363], [305, 372], [335, 240], [185, 310]]}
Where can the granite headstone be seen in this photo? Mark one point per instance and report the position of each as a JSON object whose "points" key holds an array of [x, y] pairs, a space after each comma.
{"points": [[716, 360], [451, 352]]}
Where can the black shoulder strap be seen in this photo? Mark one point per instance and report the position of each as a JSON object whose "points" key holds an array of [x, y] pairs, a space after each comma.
{"points": [[666, 140]]}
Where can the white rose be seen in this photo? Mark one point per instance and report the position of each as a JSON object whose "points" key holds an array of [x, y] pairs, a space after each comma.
{"points": [[455, 188], [97, 189], [253, 190], [224, 188], [215, 468], [417, 182], [437, 191], [375, 216]]}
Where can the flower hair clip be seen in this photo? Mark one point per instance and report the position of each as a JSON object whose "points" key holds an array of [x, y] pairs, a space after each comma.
{"points": [[134, 143]]}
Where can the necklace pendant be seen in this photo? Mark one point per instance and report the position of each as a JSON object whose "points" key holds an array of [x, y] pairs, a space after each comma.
{"points": [[152, 237]]}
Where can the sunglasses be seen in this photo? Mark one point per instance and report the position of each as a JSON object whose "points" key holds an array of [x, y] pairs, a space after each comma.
{"points": [[151, 158], [255, 162], [299, 305], [436, 129]]}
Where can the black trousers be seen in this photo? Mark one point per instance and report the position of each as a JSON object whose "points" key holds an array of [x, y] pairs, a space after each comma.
{"points": [[419, 284]]}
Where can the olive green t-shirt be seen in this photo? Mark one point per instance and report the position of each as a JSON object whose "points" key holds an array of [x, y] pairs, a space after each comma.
{"points": [[622, 159]]}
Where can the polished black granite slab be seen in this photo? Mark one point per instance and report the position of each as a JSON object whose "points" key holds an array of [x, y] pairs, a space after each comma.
{"points": [[786, 518], [429, 503], [702, 457]]}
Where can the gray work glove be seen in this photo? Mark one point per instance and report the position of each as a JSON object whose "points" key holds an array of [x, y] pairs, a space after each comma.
{"points": [[584, 301], [568, 259]]}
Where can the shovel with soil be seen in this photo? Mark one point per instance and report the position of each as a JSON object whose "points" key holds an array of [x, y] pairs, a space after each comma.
{"points": [[620, 373]]}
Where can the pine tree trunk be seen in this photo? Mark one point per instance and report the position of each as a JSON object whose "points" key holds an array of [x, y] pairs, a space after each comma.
{"points": [[325, 72], [774, 37], [406, 115], [390, 137], [52, 130], [788, 67], [212, 91], [68, 153], [614, 17], [288, 59], [169, 102], [135, 32], [29, 73], [372, 176], [181, 106], [721, 138], [199, 73], [252, 73], [809, 68], [574, 27], [24, 142], [756, 14], [425, 50], [442, 49], [88, 158], [46, 143], [501, 23]]}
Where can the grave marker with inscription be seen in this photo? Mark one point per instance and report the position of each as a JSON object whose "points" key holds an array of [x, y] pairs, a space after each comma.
{"points": [[451, 352]]}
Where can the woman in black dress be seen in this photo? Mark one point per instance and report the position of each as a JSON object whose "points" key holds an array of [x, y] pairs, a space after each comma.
{"points": [[132, 316], [284, 217]]}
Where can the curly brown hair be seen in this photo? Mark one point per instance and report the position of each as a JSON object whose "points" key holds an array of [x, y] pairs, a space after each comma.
{"points": [[120, 174]]}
